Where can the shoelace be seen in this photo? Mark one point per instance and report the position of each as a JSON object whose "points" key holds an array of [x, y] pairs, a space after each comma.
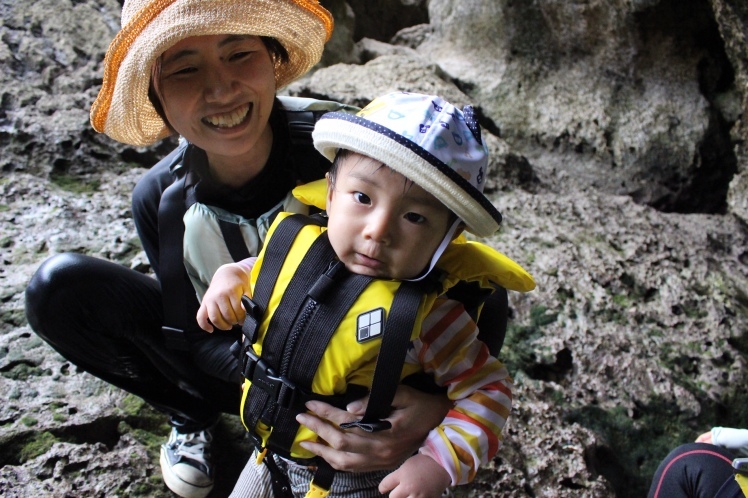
{"points": [[192, 445]]}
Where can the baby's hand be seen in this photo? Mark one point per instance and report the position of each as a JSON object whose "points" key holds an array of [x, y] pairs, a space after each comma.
{"points": [[221, 306], [705, 438], [419, 477]]}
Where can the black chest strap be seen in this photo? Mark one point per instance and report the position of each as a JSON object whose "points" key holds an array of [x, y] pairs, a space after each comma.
{"points": [[391, 358]]}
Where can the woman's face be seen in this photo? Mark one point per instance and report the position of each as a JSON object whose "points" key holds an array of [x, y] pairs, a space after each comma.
{"points": [[217, 91]]}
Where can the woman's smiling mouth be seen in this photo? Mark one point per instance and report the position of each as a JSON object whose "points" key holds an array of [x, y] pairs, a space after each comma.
{"points": [[229, 119]]}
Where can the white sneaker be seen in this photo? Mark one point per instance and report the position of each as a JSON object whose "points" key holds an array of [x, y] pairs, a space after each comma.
{"points": [[186, 465]]}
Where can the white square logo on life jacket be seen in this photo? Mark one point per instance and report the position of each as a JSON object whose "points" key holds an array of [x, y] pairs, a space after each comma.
{"points": [[370, 325]]}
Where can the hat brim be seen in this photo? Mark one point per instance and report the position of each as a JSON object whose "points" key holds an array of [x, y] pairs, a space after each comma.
{"points": [[122, 109], [338, 130]]}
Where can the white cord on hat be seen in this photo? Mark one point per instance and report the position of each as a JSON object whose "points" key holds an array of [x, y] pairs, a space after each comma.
{"points": [[439, 250]]}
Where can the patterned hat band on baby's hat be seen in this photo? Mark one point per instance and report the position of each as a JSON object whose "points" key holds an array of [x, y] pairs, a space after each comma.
{"points": [[427, 140]]}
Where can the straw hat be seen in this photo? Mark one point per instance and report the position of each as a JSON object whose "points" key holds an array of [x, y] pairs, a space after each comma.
{"points": [[149, 27], [427, 140]]}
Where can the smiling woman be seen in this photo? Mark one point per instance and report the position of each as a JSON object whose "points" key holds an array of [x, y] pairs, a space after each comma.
{"points": [[207, 70]]}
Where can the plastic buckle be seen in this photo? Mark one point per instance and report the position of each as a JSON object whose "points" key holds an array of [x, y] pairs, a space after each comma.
{"points": [[316, 491], [740, 466], [375, 426], [261, 375], [261, 456], [249, 362]]}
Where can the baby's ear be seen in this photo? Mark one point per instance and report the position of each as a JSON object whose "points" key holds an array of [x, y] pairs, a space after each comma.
{"points": [[329, 189]]}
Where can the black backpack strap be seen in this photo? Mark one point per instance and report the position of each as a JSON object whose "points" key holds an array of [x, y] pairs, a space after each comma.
{"points": [[176, 288], [300, 126], [309, 164], [232, 237]]}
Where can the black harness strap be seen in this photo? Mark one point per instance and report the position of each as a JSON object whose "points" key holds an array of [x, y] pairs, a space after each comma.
{"points": [[278, 478], [258, 401], [271, 268], [395, 339], [320, 254], [282, 377]]}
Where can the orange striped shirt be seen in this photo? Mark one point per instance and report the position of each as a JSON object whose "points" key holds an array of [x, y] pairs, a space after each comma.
{"points": [[478, 383]]}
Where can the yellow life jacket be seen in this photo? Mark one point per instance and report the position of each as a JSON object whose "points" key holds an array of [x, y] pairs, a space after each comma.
{"points": [[741, 475], [743, 483], [317, 330]]}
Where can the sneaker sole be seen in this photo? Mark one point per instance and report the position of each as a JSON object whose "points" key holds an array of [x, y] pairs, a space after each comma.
{"points": [[177, 485]]}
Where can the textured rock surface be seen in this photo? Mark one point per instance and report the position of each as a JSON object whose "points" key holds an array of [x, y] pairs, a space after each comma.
{"points": [[617, 134]]}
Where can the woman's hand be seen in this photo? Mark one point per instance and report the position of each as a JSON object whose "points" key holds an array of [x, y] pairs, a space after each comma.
{"points": [[414, 414]]}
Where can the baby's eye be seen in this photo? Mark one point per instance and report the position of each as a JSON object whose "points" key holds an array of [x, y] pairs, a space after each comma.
{"points": [[415, 218], [361, 198]]}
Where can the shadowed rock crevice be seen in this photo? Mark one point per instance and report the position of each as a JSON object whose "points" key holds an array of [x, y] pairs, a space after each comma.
{"points": [[381, 20], [703, 188], [20, 447]]}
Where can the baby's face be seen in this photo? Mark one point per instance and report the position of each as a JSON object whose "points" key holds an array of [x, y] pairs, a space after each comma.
{"points": [[381, 224]]}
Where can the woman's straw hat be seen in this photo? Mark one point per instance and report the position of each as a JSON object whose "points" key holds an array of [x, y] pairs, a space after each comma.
{"points": [[426, 139], [149, 27]]}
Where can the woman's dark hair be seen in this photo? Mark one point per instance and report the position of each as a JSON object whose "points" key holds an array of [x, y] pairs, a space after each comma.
{"points": [[278, 54], [277, 51]]}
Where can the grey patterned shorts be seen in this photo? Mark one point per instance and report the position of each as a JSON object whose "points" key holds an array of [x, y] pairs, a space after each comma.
{"points": [[254, 481]]}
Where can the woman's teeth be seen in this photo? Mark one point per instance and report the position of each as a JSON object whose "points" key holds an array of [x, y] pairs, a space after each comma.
{"points": [[230, 119]]}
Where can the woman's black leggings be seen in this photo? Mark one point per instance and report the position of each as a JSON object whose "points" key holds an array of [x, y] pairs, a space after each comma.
{"points": [[696, 470], [106, 319]]}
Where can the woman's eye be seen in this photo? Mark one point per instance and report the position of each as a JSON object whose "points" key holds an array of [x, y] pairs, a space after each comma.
{"points": [[240, 55], [415, 218], [183, 71], [361, 198]]}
